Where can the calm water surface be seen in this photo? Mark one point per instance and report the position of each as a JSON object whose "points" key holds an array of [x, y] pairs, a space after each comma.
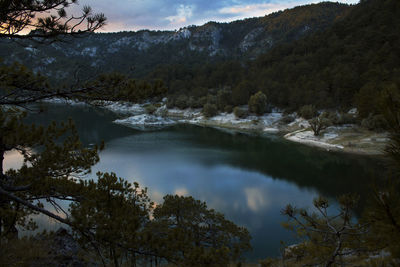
{"points": [[248, 178]]}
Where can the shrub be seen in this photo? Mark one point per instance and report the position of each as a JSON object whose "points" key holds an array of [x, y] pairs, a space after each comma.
{"points": [[375, 123], [209, 110], [223, 98], [319, 124], [202, 101], [258, 103], [240, 112], [228, 109], [346, 118], [307, 112], [150, 109], [182, 102], [191, 102], [212, 99], [170, 102], [197, 103], [331, 116], [240, 93]]}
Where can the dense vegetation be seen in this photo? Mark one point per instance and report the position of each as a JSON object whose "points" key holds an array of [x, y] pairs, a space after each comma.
{"points": [[329, 238], [355, 62], [349, 65], [115, 221], [138, 53], [328, 55]]}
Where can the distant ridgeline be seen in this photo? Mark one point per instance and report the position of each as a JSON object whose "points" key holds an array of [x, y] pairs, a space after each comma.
{"points": [[330, 55], [139, 53]]}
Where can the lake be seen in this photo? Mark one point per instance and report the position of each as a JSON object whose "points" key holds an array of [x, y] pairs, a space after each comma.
{"points": [[249, 178]]}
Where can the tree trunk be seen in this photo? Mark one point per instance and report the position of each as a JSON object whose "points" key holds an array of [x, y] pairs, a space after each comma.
{"points": [[2, 198]]}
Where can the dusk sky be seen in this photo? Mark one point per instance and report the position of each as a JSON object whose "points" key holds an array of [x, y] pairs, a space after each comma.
{"points": [[127, 15]]}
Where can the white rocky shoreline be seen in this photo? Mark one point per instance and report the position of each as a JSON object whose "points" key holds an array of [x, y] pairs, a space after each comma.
{"points": [[347, 138]]}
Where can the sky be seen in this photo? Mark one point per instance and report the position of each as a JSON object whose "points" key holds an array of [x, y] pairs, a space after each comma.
{"points": [[133, 15]]}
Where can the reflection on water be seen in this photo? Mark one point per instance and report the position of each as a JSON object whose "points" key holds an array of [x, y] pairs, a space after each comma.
{"points": [[13, 160], [248, 178]]}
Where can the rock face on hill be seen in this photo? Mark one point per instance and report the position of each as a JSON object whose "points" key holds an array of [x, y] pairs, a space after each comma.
{"points": [[140, 52]]}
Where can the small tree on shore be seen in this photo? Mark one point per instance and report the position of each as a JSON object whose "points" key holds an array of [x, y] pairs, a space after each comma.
{"points": [[258, 103], [240, 113], [209, 110], [319, 124], [307, 112]]}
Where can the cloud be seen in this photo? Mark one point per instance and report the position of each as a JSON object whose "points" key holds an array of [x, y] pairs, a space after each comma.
{"points": [[181, 192], [182, 16], [256, 199], [255, 10], [173, 14], [156, 196]]}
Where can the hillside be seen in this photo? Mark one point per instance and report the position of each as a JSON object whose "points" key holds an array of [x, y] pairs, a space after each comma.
{"points": [[138, 53], [351, 64], [348, 65], [330, 55]]}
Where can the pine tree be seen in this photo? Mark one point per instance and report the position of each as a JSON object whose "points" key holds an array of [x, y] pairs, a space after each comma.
{"points": [[54, 158], [110, 216]]}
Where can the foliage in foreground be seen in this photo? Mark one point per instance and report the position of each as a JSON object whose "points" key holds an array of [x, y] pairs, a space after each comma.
{"points": [[330, 239], [111, 217], [202, 236], [127, 227], [340, 239]]}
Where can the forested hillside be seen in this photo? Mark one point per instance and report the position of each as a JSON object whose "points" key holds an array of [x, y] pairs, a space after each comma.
{"points": [[348, 65], [329, 55], [351, 64], [138, 53], [321, 57]]}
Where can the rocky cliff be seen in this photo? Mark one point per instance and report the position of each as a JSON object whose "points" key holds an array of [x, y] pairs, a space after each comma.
{"points": [[140, 52]]}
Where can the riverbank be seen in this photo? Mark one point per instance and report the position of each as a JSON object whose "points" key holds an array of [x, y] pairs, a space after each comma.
{"points": [[349, 138]]}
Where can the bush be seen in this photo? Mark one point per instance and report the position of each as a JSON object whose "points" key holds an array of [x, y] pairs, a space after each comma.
{"points": [[182, 102], [191, 102], [240, 93], [375, 123], [240, 113], [228, 109], [331, 116], [209, 110], [197, 103], [224, 97], [202, 101], [212, 99], [150, 109], [340, 119], [170, 102], [307, 112], [258, 103], [346, 118]]}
